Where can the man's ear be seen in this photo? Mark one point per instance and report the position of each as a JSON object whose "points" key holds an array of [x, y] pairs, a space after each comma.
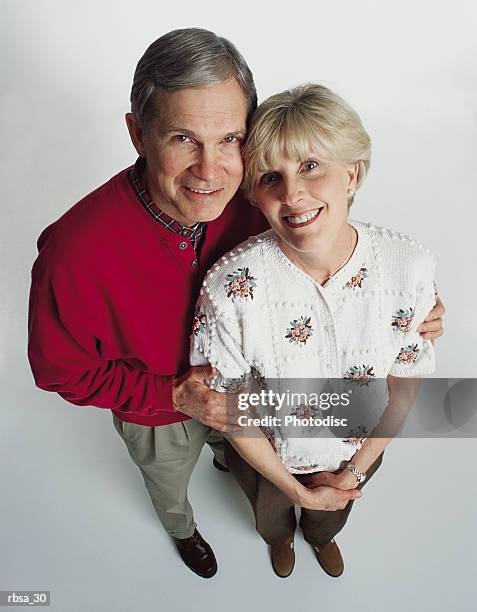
{"points": [[136, 134]]}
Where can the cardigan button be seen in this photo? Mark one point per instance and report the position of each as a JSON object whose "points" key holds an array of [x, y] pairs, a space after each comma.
{"points": [[182, 245], [195, 262]]}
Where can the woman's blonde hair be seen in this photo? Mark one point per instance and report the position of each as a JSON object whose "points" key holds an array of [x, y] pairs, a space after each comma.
{"points": [[298, 122]]}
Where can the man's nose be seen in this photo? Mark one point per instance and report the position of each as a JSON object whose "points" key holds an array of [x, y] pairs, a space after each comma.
{"points": [[206, 166], [292, 192]]}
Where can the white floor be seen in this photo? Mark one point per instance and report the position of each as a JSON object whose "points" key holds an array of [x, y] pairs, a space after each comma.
{"points": [[76, 520]]}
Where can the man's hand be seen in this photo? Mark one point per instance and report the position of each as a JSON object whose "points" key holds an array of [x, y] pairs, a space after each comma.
{"points": [[327, 498], [192, 396], [344, 480], [432, 328]]}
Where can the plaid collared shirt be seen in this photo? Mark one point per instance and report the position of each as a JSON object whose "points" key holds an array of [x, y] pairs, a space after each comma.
{"points": [[194, 233]]}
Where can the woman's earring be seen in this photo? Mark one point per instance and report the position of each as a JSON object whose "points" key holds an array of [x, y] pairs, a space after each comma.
{"points": [[351, 193]]}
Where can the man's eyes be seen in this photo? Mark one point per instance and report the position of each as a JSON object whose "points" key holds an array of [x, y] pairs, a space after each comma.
{"points": [[181, 138]]}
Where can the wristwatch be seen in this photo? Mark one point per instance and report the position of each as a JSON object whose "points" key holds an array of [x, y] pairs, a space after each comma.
{"points": [[360, 476]]}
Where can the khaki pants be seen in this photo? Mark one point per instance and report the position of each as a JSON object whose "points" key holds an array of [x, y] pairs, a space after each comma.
{"points": [[166, 456], [275, 513]]}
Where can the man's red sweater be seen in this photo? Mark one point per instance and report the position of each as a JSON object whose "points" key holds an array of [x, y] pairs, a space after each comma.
{"points": [[112, 300]]}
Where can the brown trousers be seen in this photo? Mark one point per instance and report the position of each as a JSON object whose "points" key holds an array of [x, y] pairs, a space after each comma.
{"points": [[275, 513]]}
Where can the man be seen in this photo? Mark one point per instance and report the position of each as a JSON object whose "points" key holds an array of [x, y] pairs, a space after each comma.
{"points": [[117, 276]]}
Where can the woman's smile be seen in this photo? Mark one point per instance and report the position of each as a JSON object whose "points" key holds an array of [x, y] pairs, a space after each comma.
{"points": [[305, 218]]}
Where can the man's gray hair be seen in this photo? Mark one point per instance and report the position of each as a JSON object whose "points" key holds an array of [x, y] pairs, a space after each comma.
{"points": [[190, 57]]}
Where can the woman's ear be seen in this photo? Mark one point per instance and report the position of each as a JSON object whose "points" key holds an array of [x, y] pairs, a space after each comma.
{"points": [[250, 200], [353, 174]]}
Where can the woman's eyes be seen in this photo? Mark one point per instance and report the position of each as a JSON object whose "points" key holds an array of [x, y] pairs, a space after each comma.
{"points": [[272, 177], [310, 165], [269, 178]]}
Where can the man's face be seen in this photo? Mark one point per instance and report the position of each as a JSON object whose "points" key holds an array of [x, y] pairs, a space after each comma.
{"points": [[193, 150]]}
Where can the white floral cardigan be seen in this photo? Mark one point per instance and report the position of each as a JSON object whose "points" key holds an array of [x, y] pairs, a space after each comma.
{"points": [[260, 315]]}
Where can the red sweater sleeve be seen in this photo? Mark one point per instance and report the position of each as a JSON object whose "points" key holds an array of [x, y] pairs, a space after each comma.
{"points": [[66, 342]]}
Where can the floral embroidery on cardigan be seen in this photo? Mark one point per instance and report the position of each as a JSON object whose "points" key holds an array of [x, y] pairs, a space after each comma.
{"points": [[356, 435], [235, 385], [240, 284], [198, 324], [408, 354], [300, 331], [357, 281], [304, 411], [360, 374], [402, 320]]}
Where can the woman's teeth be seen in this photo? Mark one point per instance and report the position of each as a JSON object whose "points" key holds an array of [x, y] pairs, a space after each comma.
{"points": [[303, 218]]}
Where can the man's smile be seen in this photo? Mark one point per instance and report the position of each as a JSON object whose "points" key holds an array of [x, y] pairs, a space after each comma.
{"points": [[201, 194]]}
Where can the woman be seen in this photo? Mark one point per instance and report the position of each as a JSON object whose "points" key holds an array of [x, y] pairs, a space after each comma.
{"points": [[317, 296]]}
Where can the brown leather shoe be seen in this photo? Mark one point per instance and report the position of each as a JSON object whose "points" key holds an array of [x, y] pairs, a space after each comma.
{"points": [[330, 559], [283, 557], [197, 555]]}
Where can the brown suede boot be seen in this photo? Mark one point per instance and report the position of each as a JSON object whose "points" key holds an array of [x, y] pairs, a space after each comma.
{"points": [[330, 559], [283, 557]]}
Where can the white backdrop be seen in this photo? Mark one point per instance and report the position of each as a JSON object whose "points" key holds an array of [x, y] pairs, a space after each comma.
{"points": [[409, 69]]}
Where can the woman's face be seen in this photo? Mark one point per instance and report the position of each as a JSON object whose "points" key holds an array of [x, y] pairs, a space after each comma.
{"points": [[306, 203]]}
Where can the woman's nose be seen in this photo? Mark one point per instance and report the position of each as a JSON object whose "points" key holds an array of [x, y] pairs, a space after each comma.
{"points": [[292, 193]]}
